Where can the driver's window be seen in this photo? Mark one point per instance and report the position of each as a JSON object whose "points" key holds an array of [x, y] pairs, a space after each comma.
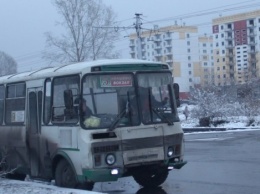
{"points": [[65, 92]]}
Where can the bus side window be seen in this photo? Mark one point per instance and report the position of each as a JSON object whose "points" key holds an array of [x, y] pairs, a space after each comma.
{"points": [[15, 104], [2, 96], [65, 89], [47, 102]]}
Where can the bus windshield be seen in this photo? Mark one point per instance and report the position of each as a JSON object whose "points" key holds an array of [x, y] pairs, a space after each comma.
{"points": [[111, 100], [107, 98], [156, 98]]}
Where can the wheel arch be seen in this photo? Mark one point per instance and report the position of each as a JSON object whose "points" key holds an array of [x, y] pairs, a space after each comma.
{"points": [[61, 155]]}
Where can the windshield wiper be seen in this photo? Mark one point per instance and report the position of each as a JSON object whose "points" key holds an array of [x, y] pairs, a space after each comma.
{"points": [[152, 101], [117, 119], [162, 116]]}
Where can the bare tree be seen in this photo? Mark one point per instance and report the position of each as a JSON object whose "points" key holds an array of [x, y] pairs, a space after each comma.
{"points": [[86, 36], [7, 64]]}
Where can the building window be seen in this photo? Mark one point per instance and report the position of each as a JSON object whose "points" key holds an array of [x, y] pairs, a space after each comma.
{"points": [[190, 79], [188, 42], [189, 65], [189, 57], [189, 72], [218, 68], [224, 67]]}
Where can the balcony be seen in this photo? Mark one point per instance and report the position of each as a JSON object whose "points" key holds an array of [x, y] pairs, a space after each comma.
{"points": [[229, 55], [158, 48], [158, 54], [229, 46], [169, 60], [167, 38], [251, 26], [157, 39], [168, 45], [229, 38], [251, 34], [168, 53], [228, 30], [230, 63], [252, 51], [132, 45], [132, 52], [252, 43], [252, 60]]}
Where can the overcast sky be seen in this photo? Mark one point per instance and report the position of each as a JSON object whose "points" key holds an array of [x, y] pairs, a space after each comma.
{"points": [[24, 22]]}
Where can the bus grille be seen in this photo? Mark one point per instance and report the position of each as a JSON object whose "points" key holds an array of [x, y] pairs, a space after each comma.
{"points": [[104, 149]]}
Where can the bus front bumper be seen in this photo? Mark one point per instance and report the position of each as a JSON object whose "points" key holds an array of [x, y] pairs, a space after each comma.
{"points": [[177, 165], [102, 175]]}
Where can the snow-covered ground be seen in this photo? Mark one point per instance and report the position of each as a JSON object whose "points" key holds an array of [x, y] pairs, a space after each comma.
{"points": [[232, 122], [29, 187]]}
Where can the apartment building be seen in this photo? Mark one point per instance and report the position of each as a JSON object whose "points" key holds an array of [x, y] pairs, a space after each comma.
{"points": [[206, 60], [176, 45], [236, 48]]}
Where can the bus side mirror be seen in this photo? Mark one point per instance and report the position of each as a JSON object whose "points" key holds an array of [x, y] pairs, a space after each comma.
{"points": [[177, 93], [68, 99]]}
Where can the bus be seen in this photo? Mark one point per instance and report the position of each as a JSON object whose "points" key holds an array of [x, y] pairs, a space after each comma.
{"points": [[132, 129]]}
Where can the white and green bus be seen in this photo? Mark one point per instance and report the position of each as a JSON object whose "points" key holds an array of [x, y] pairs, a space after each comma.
{"points": [[132, 128]]}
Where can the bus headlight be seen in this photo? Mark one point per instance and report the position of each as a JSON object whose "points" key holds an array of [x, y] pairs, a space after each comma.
{"points": [[170, 151], [110, 159]]}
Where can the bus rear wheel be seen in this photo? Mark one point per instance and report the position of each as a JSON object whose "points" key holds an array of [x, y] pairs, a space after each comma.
{"points": [[150, 177], [64, 175]]}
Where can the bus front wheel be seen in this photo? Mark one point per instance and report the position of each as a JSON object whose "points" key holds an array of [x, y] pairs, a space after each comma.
{"points": [[64, 175], [149, 177]]}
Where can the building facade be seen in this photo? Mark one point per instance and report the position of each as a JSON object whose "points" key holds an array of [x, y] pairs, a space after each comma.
{"points": [[206, 60], [236, 48], [175, 45]]}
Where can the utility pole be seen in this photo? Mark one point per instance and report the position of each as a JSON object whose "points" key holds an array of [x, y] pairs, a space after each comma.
{"points": [[137, 26], [138, 33]]}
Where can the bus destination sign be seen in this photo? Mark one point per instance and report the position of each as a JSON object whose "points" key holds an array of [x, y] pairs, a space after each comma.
{"points": [[116, 81]]}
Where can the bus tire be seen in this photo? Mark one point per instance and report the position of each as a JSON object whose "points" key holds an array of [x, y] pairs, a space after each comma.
{"points": [[64, 175], [149, 177], [86, 186], [15, 176]]}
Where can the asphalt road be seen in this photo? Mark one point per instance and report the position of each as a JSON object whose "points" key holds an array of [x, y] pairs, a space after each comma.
{"points": [[218, 163]]}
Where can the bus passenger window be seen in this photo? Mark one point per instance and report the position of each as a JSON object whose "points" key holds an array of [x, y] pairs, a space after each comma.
{"points": [[65, 91], [47, 102], [2, 96], [15, 104]]}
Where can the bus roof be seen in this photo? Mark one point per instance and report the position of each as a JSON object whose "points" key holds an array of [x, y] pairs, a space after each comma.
{"points": [[73, 68]]}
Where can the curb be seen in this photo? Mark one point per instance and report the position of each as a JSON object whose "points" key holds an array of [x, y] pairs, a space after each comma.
{"points": [[206, 129]]}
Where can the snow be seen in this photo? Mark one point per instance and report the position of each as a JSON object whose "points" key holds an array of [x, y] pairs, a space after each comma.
{"points": [[20, 187], [232, 122]]}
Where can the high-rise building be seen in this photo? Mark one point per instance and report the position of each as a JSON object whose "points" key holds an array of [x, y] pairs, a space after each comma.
{"points": [[236, 41], [206, 60], [176, 45]]}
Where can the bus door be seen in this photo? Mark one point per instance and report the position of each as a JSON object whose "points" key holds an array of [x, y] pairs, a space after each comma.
{"points": [[34, 128]]}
